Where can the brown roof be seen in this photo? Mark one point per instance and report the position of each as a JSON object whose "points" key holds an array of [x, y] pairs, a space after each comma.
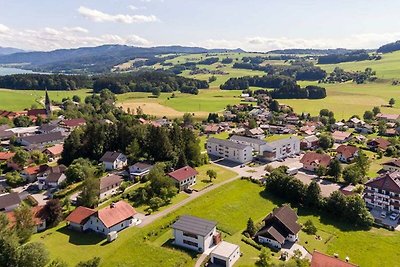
{"points": [[379, 142], [33, 170], [36, 112], [80, 215], [347, 151], [388, 116], [340, 135], [110, 156], [54, 177], [321, 260], [38, 215], [108, 181], [274, 233], [287, 217], [55, 150], [388, 182], [393, 162], [74, 122], [321, 159], [116, 213], [183, 173]]}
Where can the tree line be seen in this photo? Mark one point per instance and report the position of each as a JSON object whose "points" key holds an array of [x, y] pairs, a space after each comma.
{"points": [[358, 55], [42, 81]]}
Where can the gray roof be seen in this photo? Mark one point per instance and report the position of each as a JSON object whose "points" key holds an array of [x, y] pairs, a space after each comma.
{"points": [[43, 138], [54, 177], [194, 225], [247, 140], [9, 200], [110, 156], [226, 143], [108, 181]]}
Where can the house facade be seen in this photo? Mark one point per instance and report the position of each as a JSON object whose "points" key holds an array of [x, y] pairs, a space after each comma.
{"points": [[225, 254], [309, 142], [9, 201], [257, 144], [384, 192], [230, 150], [281, 149], [139, 169], [392, 165], [346, 154], [195, 233], [109, 185], [280, 226], [378, 144], [184, 177], [312, 161], [114, 160]]}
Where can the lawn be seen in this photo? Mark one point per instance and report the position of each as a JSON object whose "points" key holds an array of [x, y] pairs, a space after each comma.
{"points": [[203, 139], [17, 100], [203, 180]]}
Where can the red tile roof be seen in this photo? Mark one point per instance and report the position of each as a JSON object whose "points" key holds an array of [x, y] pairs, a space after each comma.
{"points": [[321, 159], [116, 213], [37, 112], [338, 135], [80, 215], [74, 122], [35, 169], [379, 142], [388, 182], [38, 215], [321, 260], [183, 173], [4, 156], [55, 150], [347, 151]]}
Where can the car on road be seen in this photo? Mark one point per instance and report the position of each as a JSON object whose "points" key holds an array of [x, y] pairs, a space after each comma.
{"points": [[188, 190], [383, 214], [394, 216]]}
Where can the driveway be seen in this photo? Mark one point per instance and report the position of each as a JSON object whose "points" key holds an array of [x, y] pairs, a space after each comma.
{"points": [[291, 247], [327, 187]]}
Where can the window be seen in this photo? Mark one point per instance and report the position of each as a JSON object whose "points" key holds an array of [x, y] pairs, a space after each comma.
{"points": [[190, 243], [190, 235]]}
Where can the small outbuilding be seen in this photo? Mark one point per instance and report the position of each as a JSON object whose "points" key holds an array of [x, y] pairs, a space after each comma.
{"points": [[225, 254]]}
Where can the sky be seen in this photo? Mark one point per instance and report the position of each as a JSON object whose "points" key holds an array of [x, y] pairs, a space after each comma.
{"points": [[253, 25]]}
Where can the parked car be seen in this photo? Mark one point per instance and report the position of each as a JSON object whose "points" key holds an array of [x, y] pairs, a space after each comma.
{"points": [[383, 214], [188, 190], [394, 216]]}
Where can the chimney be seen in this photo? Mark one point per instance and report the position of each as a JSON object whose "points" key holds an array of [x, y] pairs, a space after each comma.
{"points": [[112, 205]]}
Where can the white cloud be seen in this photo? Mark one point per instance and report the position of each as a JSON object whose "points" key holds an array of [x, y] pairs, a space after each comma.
{"points": [[50, 38], [132, 7], [98, 16], [4, 28]]}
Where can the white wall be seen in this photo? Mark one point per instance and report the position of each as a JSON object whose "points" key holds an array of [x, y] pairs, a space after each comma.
{"points": [[233, 154], [203, 242], [234, 257], [268, 241]]}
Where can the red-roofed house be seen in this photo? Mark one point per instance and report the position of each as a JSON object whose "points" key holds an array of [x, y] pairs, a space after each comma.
{"points": [[346, 153], [388, 117], [312, 160], [115, 217], [392, 165], [5, 156], [39, 216], [378, 144], [54, 152], [73, 123], [31, 173], [321, 260], [384, 192], [341, 137], [184, 177]]}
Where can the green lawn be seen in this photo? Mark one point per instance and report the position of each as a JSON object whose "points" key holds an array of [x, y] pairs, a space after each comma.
{"points": [[203, 180], [18, 100]]}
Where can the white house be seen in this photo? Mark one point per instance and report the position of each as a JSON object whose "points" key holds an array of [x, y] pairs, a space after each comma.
{"points": [[184, 177], [281, 149], [139, 169], [9, 202], [225, 254], [114, 160], [195, 233], [109, 185], [230, 150], [115, 217], [257, 144]]}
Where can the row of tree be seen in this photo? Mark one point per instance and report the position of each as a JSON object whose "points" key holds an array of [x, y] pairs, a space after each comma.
{"points": [[42, 81]]}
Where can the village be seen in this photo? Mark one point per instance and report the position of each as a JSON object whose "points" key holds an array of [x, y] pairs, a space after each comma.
{"points": [[256, 140]]}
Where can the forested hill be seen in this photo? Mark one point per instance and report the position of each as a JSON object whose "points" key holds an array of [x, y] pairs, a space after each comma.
{"points": [[310, 51], [9, 50], [94, 59], [391, 47]]}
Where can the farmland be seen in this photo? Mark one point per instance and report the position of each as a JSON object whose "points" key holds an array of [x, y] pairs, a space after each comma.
{"points": [[231, 206]]}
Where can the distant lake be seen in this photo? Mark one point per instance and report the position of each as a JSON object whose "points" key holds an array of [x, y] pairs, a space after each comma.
{"points": [[9, 71]]}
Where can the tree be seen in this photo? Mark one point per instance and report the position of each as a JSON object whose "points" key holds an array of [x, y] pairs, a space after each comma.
{"points": [[21, 157], [264, 258], [155, 203], [22, 121], [89, 196], [33, 255], [57, 263], [376, 110], [212, 174], [352, 174], [188, 119], [54, 212], [133, 151], [95, 262], [382, 128], [14, 178], [368, 115], [392, 102], [252, 123], [321, 171], [251, 229], [38, 157], [363, 163], [79, 170], [274, 106], [8, 244], [313, 195], [326, 141], [156, 92], [24, 223], [335, 169], [76, 98], [309, 227]]}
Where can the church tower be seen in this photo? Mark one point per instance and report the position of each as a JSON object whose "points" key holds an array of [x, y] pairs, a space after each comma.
{"points": [[47, 104]]}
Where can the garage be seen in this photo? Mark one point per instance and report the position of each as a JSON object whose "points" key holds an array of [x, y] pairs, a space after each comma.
{"points": [[225, 254], [219, 262]]}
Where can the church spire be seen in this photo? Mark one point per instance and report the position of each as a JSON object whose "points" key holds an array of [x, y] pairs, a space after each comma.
{"points": [[47, 103]]}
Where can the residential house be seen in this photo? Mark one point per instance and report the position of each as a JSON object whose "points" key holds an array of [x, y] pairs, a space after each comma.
{"points": [[257, 144], [339, 126], [31, 173], [54, 152], [312, 161], [212, 129], [308, 130], [114, 160], [41, 139], [348, 190], [391, 165], [341, 137], [292, 119], [5, 134], [255, 133], [73, 123], [109, 185], [280, 226], [388, 117], [355, 122], [365, 129], [39, 216], [115, 217], [378, 144], [225, 254], [8, 114], [6, 156], [54, 180], [23, 131], [230, 150], [195, 233], [281, 149], [49, 128], [184, 177], [384, 192], [346, 154], [321, 260], [9, 202], [139, 169], [309, 142], [51, 177]]}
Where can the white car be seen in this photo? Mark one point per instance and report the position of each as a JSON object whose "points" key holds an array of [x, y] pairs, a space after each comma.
{"points": [[394, 216], [383, 214]]}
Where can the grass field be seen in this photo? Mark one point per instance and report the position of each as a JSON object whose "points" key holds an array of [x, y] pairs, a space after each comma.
{"points": [[17, 100], [231, 206], [203, 180]]}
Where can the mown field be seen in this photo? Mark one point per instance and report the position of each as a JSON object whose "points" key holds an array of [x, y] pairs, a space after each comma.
{"points": [[231, 206]]}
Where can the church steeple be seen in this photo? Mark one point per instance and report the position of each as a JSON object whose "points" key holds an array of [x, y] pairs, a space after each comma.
{"points": [[47, 103]]}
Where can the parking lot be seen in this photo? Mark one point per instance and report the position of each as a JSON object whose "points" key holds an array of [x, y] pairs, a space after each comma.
{"points": [[377, 213]]}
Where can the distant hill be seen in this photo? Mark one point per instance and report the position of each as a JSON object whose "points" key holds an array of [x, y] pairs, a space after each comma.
{"points": [[9, 50], [95, 59], [296, 51], [391, 47]]}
